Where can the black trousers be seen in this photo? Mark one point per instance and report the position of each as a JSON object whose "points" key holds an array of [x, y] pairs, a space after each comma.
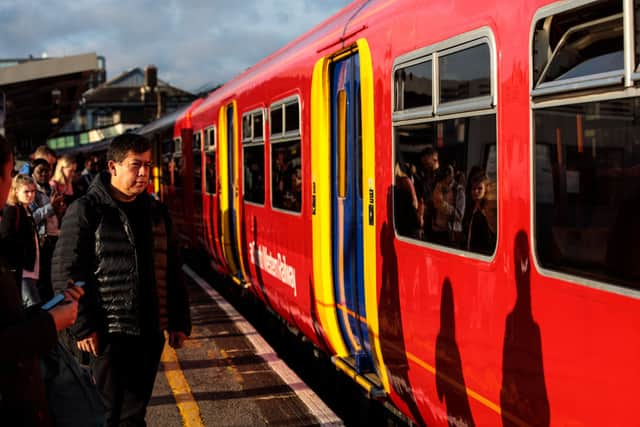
{"points": [[125, 371]]}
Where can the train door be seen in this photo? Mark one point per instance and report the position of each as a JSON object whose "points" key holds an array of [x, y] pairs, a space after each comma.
{"points": [[211, 215], [347, 208], [229, 197]]}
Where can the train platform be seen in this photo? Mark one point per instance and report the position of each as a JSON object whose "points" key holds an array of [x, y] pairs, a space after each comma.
{"points": [[227, 375]]}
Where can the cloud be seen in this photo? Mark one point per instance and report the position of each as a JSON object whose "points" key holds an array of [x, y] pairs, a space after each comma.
{"points": [[192, 42]]}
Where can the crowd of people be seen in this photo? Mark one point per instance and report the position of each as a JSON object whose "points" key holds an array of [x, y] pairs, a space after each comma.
{"points": [[60, 227], [443, 205]]}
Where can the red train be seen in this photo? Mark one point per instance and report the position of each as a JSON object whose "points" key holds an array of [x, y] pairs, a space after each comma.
{"points": [[441, 196]]}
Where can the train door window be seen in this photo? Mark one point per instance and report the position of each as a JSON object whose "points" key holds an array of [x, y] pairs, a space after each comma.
{"points": [[253, 156], [586, 127], [445, 145], [286, 159], [176, 164], [210, 160], [197, 162], [167, 147]]}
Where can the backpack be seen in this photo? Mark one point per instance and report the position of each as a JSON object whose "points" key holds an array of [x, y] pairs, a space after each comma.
{"points": [[73, 397]]}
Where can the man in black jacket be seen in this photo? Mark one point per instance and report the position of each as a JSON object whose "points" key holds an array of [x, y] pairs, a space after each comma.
{"points": [[118, 239]]}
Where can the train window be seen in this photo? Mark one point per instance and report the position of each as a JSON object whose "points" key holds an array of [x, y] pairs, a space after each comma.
{"points": [[587, 156], [253, 156], [276, 120], [445, 165], [197, 162], [197, 141], [292, 117], [587, 190], [580, 48], [176, 164], [465, 74], [286, 159], [414, 86], [210, 160]]}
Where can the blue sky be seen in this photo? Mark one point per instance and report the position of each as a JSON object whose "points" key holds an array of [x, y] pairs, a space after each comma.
{"points": [[192, 42]]}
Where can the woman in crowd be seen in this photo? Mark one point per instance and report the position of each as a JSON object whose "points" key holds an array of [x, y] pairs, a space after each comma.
{"points": [[17, 227], [26, 334], [47, 210], [481, 235], [62, 180]]}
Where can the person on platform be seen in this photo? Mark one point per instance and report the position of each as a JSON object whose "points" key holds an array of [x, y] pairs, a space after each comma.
{"points": [[18, 226], [119, 240], [42, 152], [27, 335]]}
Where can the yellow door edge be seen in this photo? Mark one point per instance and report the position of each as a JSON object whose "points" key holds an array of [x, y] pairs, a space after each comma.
{"points": [[369, 206], [321, 207]]}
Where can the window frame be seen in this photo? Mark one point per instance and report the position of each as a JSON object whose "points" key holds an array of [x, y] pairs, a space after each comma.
{"points": [[249, 142], [471, 107], [196, 147], [630, 88], [284, 137]]}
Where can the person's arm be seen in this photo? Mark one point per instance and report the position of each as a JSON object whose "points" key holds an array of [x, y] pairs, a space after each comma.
{"points": [[73, 260], [39, 211]]}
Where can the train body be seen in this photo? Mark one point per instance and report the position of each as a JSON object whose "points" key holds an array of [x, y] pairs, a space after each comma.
{"points": [[501, 288]]}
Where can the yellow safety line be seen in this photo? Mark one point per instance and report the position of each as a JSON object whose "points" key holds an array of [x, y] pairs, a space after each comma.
{"points": [[471, 393], [187, 405]]}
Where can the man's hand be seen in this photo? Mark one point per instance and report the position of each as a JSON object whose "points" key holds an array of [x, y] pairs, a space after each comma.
{"points": [[65, 314], [176, 339], [89, 344]]}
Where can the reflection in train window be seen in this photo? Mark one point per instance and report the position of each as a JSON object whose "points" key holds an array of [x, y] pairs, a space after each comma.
{"points": [[414, 86], [210, 160], [253, 156], [445, 168], [286, 159], [587, 189], [446, 184], [465, 74]]}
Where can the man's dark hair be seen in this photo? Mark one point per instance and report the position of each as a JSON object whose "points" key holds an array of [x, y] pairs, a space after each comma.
{"points": [[38, 162], [126, 142], [5, 150], [427, 151]]}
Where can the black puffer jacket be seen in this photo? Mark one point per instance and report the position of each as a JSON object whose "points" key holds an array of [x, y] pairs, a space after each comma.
{"points": [[97, 245]]}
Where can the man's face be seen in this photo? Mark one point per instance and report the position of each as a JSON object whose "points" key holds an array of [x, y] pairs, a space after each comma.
{"points": [[131, 175], [5, 180], [42, 174], [431, 161]]}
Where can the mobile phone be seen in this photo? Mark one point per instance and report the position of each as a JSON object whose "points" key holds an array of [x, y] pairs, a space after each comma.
{"points": [[58, 298]]}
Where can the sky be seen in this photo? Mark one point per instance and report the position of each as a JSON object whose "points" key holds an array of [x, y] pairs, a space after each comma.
{"points": [[192, 42]]}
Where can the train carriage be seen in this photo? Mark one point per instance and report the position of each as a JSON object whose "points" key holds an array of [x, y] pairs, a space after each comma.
{"points": [[499, 287]]}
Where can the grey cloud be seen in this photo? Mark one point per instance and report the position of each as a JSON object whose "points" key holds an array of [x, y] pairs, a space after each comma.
{"points": [[192, 42]]}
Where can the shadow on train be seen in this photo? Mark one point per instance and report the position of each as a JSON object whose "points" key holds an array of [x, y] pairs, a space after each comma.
{"points": [[523, 396], [450, 384], [391, 332]]}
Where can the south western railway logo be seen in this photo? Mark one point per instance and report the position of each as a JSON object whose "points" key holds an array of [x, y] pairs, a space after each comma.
{"points": [[275, 266]]}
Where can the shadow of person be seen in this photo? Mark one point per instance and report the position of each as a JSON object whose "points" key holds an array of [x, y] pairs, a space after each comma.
{"points": [[391, 333], [450, 383], [523, 396]]}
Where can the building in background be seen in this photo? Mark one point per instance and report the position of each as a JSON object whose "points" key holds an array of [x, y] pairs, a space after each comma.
{"points": [[39, 95], [131, 100]]}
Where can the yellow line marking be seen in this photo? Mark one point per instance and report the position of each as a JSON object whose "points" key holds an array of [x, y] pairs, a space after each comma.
{"points": [[187, 405], [471, 393]]}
